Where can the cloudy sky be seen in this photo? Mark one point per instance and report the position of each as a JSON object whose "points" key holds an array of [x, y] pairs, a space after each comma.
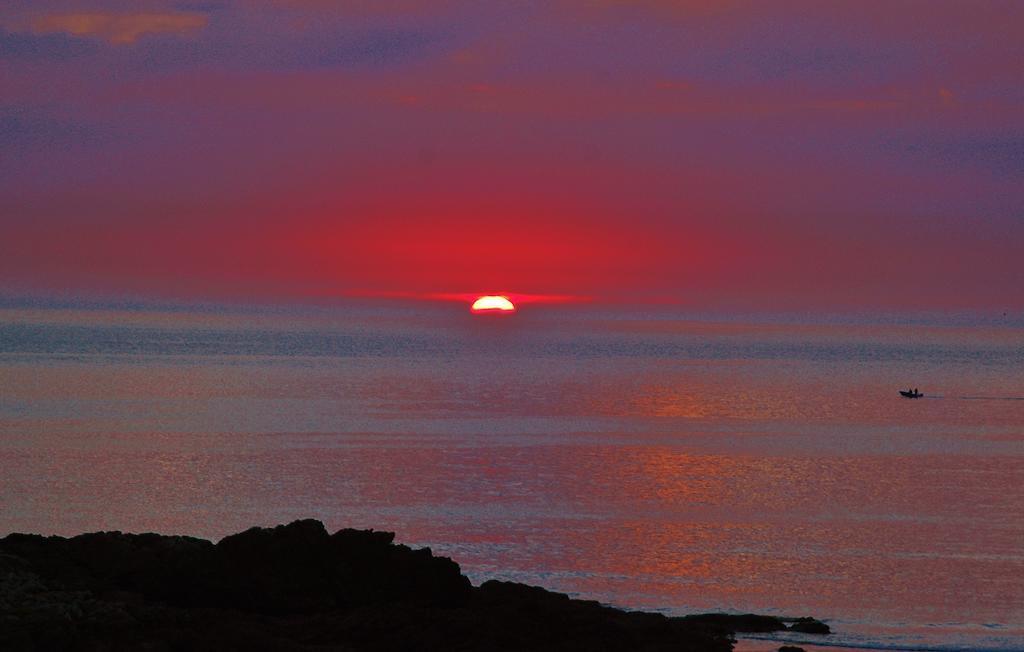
{"points": [[788, 154]]}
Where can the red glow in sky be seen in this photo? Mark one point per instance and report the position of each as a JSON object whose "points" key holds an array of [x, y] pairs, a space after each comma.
{"points": [[751, 155]]}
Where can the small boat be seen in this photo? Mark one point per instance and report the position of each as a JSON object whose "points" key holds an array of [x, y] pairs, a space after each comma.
{"points": [[911, 394]]}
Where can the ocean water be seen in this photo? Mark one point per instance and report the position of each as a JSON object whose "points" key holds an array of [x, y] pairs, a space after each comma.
{"points": [[652, 461]]}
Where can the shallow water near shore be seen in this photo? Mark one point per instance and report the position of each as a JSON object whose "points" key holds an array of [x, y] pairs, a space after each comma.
{"points": [[654, 461]]}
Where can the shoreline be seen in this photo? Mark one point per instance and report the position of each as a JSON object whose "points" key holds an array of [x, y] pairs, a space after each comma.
{"points": [[297, 587]]}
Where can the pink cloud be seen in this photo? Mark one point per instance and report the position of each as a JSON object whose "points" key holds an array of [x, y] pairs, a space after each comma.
{"points": [[120, 29]]}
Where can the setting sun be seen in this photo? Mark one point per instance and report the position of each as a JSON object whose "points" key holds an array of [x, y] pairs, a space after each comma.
{"points": [[493, 304]]}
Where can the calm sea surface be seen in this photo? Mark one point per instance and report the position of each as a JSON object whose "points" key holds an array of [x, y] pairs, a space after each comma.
{"points": [[643, 460]]}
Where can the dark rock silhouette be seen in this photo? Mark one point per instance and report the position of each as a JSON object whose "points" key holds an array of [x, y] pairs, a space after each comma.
{"points": [[810, 626], [791, 648], [296, 587], [747, 623], [754, 623]]}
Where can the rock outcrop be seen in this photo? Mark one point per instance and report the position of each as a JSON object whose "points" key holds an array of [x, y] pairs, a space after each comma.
{"points": [[754, 623], [297, 587]]}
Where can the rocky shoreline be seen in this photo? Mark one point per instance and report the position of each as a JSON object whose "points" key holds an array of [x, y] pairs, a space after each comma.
{"points": [[297, 587]]}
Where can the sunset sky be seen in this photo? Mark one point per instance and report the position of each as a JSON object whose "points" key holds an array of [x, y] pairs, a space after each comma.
{"points": [[754, 155]]}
